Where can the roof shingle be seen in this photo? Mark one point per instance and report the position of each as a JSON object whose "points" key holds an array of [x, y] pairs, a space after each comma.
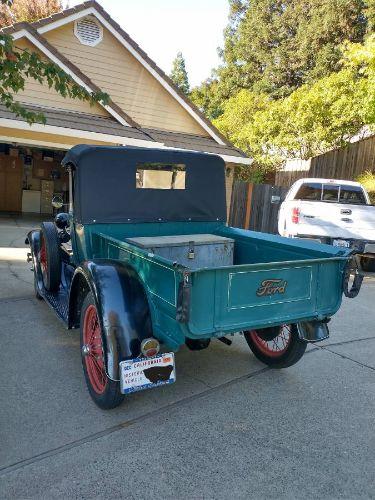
{"points": [[110, 126]]}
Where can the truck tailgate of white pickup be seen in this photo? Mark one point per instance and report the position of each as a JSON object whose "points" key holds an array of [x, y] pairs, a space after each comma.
{"points": [[336, 220]]}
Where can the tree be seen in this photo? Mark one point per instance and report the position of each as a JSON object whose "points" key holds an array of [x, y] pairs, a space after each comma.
{"points": [[14, 11], [17, 65], [370, 14], [275, 46], [207, 98], [313, 119], [179, 74]]}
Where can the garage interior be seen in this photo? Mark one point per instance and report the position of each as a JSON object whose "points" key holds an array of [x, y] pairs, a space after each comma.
{"points": [[29, 178]]}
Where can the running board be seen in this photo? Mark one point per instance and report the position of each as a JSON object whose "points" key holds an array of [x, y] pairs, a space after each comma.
{"points": [[59, 302]]}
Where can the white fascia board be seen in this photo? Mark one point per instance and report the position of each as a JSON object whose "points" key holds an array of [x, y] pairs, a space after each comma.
{"points": [[34, 142], [95, 136], [139, 58], [81, 134], [53, 58], [239, 160], [19, 34], [66, 20]]}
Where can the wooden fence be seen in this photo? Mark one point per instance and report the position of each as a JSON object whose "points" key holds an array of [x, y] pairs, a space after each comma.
{"points": [[255, 206], [344, 163]]}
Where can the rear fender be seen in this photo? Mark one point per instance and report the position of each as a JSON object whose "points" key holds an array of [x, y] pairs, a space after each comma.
{"points": [[122, 305]]}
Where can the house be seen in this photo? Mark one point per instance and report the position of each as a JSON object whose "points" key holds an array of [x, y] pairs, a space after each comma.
{"points": [[145, 107]]}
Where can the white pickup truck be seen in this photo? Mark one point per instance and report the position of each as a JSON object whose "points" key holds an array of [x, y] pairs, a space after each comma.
{"points": [[331, 211]]}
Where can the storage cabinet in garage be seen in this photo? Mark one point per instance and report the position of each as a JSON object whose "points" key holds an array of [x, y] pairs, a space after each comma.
{"points": [[11, 171]]}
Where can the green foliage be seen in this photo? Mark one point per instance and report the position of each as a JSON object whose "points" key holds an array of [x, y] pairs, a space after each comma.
{"points": [[276, 46], [14, 11], [370, 14], [179, 74], [312, 119], [367, 179], [207, 98], [16, 65]]}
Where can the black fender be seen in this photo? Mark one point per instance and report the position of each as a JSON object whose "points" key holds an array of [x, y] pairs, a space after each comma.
{"points": [[33, 239], [122, 305]]}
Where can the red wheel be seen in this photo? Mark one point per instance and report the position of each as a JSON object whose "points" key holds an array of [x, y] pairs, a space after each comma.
{"points": [[275, 346], [278, 347], [104, 391], [93, 350]]}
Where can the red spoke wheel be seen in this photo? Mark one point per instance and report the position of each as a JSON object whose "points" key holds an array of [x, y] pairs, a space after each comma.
{"points": [[278, 347], [104, 391], [93, 350]]}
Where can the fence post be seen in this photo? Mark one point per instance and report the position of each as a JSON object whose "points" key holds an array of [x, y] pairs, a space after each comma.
{"points": [[248, 205]]}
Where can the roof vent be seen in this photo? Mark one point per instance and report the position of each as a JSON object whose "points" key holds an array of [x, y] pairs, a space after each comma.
{"points": [[88, 31]]}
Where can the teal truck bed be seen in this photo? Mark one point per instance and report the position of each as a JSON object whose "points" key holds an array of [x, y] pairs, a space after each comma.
{"points": [[272, 281]]}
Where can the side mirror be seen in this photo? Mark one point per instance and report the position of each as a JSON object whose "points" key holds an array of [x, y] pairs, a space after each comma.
{"points": [[57, 201]]}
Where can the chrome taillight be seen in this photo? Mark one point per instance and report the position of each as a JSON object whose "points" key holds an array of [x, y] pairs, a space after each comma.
{"points": [[150, 347], [295, 215]]}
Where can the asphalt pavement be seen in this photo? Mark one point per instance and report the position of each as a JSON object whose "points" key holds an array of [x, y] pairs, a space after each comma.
{"points": [[228, 428]]}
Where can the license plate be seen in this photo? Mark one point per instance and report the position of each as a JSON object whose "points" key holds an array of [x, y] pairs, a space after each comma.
{"points": [[341, 243], [145, 373]]}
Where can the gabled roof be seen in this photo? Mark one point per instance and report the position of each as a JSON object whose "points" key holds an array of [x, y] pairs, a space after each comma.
{"points": [[92, 7], [34, 33]]}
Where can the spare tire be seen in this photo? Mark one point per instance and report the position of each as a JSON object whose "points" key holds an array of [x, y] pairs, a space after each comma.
{"points": [[49, 257]]}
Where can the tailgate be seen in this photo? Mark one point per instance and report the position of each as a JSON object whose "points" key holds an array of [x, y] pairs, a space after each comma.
{"points": [[337, 220], [259, 295]]}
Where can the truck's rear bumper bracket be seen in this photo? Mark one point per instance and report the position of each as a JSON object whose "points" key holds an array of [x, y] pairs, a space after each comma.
{"points": [[313, 331]]}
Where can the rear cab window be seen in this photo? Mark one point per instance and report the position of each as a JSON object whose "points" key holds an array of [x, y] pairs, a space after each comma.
{"points": [[353, 195], [161, 176], [331, 193], [309, 192]]}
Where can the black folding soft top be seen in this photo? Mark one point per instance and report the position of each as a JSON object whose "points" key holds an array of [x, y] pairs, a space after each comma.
{"points": [[105, 186]]}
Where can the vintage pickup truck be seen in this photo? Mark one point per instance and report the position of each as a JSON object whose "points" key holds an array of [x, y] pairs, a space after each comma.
{"points": [[144, 260]]}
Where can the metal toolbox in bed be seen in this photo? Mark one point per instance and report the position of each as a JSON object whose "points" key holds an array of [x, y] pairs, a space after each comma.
{"points": [[190, 250]]}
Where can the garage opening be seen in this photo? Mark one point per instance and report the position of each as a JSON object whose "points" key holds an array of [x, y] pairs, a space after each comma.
{"points": [[29, 178]]}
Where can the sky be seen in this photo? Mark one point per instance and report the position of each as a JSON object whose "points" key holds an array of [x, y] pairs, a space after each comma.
{"points": [[164, 27]]}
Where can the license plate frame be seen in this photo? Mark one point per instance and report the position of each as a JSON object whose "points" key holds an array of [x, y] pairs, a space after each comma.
{"points": [[160, 370], [341, 243]]}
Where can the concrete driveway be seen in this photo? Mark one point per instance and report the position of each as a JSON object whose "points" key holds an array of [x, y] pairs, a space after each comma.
{"points": [[228, 428]]}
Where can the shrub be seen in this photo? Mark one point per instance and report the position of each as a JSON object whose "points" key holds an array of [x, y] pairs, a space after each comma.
{"points": [[367, 179]]}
